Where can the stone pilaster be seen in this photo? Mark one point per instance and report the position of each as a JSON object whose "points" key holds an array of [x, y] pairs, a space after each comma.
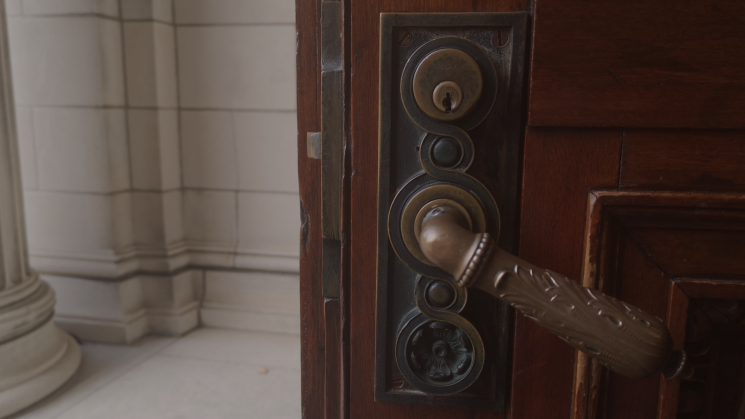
{"points": [[36, 357], [100, 154]]}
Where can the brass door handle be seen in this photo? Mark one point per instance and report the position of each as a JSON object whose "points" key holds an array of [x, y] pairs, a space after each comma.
{"points": [[622, 337]]}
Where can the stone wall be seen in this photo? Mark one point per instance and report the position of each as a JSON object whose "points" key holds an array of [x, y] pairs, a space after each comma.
{"points": [[158, 156]]}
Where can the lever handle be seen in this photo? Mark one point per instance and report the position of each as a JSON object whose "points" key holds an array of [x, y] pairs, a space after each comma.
{"points": [[622, 337]]}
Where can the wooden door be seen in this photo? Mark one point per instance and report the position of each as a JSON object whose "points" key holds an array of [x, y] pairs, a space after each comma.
{"points": [[632, 181]]}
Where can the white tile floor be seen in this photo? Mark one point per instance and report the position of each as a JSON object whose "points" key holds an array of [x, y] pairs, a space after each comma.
{"points": [[209, 373]]}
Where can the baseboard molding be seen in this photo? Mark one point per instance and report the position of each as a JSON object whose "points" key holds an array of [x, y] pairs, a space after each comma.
{"points": [[174, 322], [158, 322], [233, 317], [106, 331], [115, 264], [122, 312], [258, 301]]}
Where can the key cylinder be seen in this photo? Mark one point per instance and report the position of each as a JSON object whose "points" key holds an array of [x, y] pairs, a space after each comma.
{"points": [[447, 84]]}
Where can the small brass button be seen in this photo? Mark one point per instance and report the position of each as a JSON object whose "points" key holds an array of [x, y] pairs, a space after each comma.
{"points": [[446, 152], [447, 84], [441, 294]]}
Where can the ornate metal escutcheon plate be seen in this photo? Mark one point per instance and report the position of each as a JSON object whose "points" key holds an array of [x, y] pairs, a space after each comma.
{"points": [[437, 343]]}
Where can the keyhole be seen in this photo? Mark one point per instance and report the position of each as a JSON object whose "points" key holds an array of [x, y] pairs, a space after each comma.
{"points": [[447, 98], [446, 102]]}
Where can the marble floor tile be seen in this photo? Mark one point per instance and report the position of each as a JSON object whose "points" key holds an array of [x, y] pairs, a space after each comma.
{"points": [[209, 373], [167, 386], [247, 348], [101, 364]]}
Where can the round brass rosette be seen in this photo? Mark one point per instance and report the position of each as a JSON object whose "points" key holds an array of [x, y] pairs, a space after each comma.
{"points": [[439, 353]]}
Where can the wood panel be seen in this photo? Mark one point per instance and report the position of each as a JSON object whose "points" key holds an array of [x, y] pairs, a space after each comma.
{"points": [[715, 344], [714, 289], [677, 314], [309, 172], [615, 263], [333, 360], [638, 64], [695, 253], [363, 140], [695, 235], [641, 283], [682, 161], [559, 169], [623, 253]]}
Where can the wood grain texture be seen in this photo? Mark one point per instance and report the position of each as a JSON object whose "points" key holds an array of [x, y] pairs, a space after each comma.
{"points": [[616, 264], [560, 168], [309, 173], [682, 161], [600, 268], [333, 360], [659, 233], [689, 201], [641, 283], [638, 64], [695, 253], [715, 343], [695, 235], [677, 315], [606, 64], [364, 27], [696, 288]]}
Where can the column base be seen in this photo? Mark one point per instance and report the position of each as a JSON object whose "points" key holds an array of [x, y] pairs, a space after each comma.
{"points": [[34, 365]]}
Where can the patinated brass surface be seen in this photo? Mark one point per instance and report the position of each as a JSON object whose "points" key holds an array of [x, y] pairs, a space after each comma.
{"points": [[415, 333], [468, 222], [447, 153], [622, 337], [411, 217], [444, 353], [447, 96], [447, 71], [444, 237]]}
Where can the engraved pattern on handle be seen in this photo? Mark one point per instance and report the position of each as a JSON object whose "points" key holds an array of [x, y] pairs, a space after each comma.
{"points": [[622, 337]]}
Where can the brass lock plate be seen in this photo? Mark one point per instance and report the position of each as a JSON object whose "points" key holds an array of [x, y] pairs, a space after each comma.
{"points": [[451, 87]]}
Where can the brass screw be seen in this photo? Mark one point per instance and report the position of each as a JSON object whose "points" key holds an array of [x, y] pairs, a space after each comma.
{"points": [[397, 381], [501, 37], [404, 39]]}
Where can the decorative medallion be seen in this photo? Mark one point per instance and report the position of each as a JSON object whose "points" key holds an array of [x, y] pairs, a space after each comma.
{"points": [[439, 353]]}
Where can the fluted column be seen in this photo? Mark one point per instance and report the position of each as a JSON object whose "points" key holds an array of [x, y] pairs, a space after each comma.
{"points": [[36, 357]]}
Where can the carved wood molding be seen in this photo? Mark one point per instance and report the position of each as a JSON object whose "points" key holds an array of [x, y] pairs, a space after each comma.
{"points": [[698, 236]]}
